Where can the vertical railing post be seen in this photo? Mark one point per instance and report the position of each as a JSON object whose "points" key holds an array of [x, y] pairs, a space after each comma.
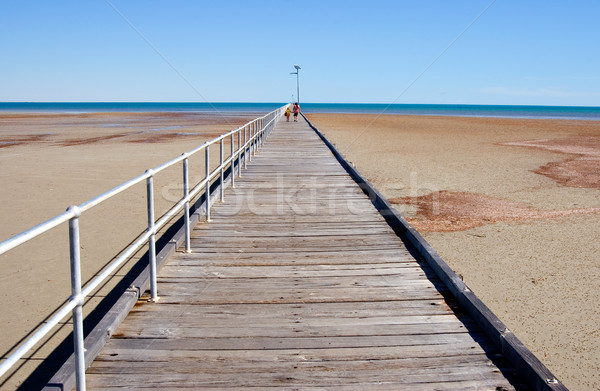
{"points": [[254, 139], [248, 136], [251, 146], [186, 206], [232, 162], [75, 258], [239, 153], [152, 238], [262, 137], [245, 146], [256, 135], [222, 172], [259, 139], [207, 170]]}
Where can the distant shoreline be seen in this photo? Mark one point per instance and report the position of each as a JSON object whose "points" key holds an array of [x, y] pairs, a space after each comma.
{"points": [[452, 110]]}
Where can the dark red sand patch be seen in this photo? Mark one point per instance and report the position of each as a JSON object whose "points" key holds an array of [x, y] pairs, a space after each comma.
{"points": [[581, 170], [445, 211]]}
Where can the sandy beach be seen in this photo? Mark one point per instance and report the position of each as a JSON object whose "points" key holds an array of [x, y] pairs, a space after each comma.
{"points": [[50, 161], [512, 205]]}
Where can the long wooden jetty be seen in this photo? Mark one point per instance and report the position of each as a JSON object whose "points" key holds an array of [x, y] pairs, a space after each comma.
{"points": [[305, 279]]}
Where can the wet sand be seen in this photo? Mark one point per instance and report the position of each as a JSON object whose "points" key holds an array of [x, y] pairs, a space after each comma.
{"points": [[512, 205], [50, 161]]}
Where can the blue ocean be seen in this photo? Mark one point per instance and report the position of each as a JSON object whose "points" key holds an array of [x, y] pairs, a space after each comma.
{"points": [[507, 111]]}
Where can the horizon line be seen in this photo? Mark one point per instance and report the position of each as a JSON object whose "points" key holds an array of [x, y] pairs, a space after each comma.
{"points": [[310, 103]]}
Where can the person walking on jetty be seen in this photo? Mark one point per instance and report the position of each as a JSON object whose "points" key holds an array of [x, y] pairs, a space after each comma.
{"points": [[287, 114], [296, 110]]}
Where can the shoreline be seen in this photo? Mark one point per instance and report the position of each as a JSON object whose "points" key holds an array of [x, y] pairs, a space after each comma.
{"points": [[587, 113], [24, 113]]}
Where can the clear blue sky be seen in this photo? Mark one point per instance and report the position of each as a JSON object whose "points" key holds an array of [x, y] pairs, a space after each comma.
{"points": [[544, 52]]}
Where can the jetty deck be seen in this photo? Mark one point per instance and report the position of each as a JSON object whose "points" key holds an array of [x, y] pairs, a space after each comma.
{"points": [[298, 282]]}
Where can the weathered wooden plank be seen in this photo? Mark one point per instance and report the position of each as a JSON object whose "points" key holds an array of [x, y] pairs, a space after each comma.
{"points": [[236, 232], [428, 322], [286, 343], [294, 230], [481, 384], [358, 250], [322, 376], [376, 254], [312, 240], [175, 330], [114, 352], [294, 245], [238, 257], [338, 310], [276, 271], [259, 259], [294, 319], [397, 368], [296, 280], [199, 292]]}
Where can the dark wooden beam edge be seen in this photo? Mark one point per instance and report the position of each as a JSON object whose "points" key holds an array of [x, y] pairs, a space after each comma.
{"points": [[64, 379], [525, 362]]}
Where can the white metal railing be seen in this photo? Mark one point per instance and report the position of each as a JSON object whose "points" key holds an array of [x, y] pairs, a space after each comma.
{"points": [[249, 138]]}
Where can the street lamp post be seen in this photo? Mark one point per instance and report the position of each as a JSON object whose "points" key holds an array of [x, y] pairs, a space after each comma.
{"points": [[297, 73]]}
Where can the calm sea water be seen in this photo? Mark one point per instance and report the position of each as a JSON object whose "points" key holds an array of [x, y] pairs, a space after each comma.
{"points": [[555, 112]]}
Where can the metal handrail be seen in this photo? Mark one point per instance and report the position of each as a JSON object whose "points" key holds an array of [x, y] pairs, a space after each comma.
{"points": [[252, 134]]}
